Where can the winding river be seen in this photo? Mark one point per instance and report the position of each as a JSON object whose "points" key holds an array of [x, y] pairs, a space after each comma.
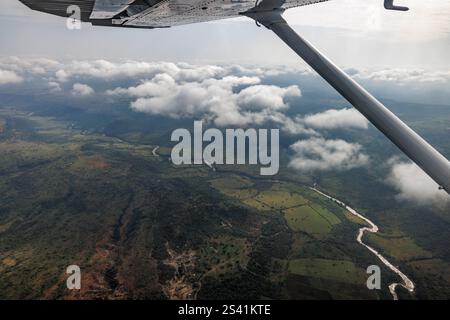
{"points": [[407, 283]]}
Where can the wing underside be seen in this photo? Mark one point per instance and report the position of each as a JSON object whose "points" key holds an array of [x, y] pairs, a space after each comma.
{"points": [[157, 13], [179, 12]]}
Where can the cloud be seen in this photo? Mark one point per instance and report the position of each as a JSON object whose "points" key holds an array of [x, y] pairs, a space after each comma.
{"points": [[78, 70], [229, 95], [414, 184], [221, 100], [54, 86], [402, 75], [239, 95], [266, 97], [103, 69], [82, 90], [162, 84], [61, 75], [31, 65], [108, 70], [7, 77], [318, 153], [334, 119]]}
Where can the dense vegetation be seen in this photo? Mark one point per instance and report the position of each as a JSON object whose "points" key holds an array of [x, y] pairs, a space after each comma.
{"points": [[83, 188]]}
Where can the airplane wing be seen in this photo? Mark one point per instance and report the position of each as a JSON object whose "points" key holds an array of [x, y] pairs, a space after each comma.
{"points": [[167, 13], [156, 13], [179, 12]]}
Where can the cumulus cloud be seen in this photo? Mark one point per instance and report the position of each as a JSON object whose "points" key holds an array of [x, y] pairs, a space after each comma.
{"points": [[230, 95], [318, 153], [31, 65], [226, 95], [54, 86], [215, 99], [266, 97], [162, 84], [103, 69], [109, 70], [61, 75], [80, 89], [334, 119], [7, 77], [402, 75], [414, 184]]}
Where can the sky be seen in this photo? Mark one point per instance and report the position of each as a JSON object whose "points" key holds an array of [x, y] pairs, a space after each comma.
{"points": [[322, 133], [354, 33], [225, 79]]}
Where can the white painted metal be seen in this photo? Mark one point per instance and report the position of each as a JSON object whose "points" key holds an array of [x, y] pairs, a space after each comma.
{"points": [[179, 12], [413, 145], [107, 9]]}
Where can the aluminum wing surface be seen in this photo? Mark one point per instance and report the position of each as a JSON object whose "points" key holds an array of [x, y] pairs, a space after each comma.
{"points": [[108, 9], [179, 12], [156, 13]]}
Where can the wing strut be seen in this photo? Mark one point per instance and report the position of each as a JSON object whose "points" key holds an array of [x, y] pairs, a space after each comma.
{"points": [[414, 146]]}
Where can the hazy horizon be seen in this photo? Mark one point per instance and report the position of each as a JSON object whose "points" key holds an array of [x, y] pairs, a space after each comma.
{"points": [[349, 32]]}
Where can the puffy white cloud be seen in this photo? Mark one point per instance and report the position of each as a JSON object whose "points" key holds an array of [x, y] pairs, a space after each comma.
{"points": [[7, 77], [80, 89], [102, 69], [188, 72], [214, 99], [266, 97], [414, 184], [109, 70], [177, 100], [54, 86], [61, 75], [318, 153], [31, 65], [230, 95], [162, 84], [293, 126], [401, 75], [334, 119]]}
